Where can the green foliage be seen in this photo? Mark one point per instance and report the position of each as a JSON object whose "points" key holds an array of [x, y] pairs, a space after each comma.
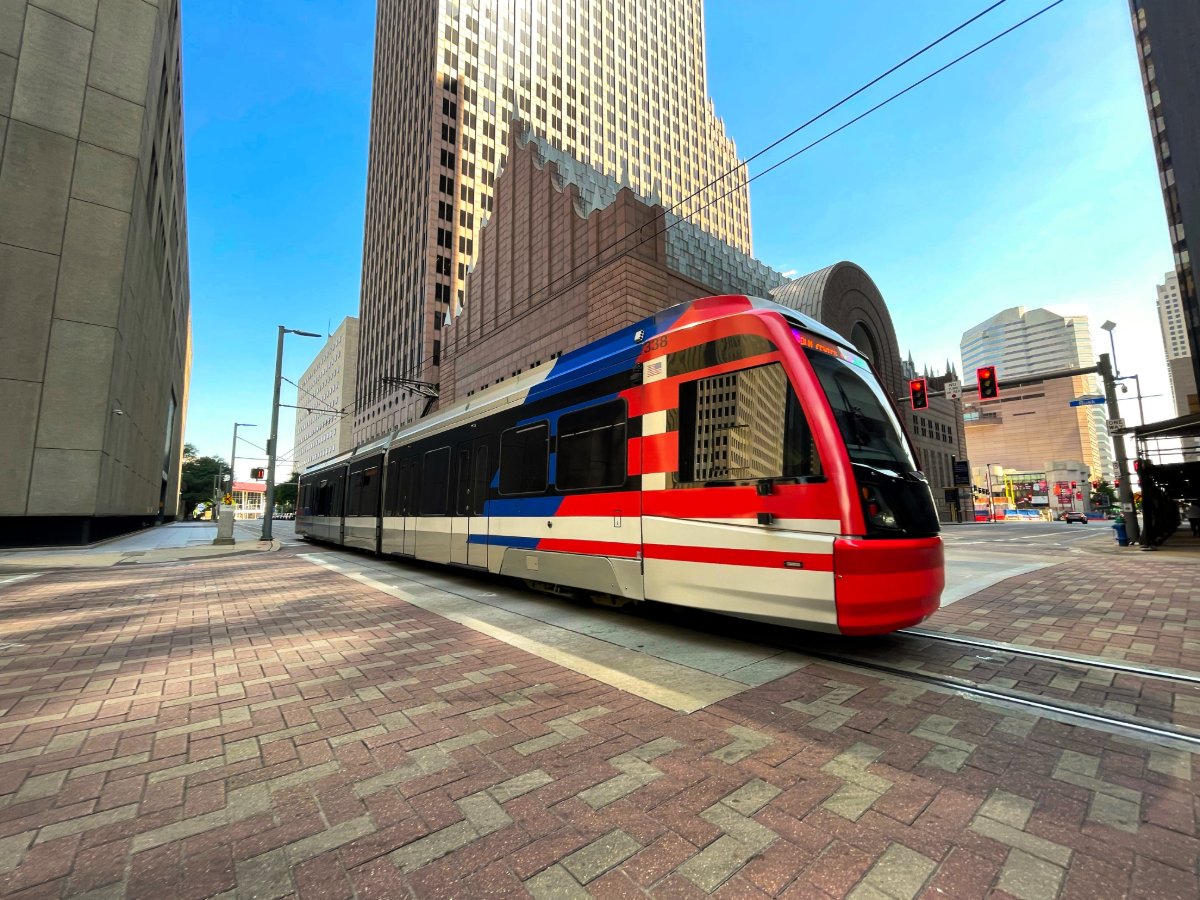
{"points": [[285, 494], [1104, 489], [197, 480]]}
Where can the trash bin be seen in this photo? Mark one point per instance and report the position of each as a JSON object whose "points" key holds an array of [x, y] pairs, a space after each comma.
{"points": [[1119, 528]]}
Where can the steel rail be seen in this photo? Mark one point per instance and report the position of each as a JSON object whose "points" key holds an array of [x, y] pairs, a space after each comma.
{"points": [[1091, 662]]}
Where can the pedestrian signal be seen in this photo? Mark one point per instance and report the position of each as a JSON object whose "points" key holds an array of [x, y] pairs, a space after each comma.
{"points": [[258, 473], [916, 393], [989, 388]]}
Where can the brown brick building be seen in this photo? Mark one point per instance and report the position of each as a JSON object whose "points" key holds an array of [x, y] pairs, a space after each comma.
{"points": [[567, 257]]}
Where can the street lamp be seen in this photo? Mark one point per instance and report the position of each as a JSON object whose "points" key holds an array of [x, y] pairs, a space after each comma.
{"points": [[1108, 326], [272, 443], [233, 452]]}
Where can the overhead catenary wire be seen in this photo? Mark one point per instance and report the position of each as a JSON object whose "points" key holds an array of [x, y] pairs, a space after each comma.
{"points": [[451, 354]]}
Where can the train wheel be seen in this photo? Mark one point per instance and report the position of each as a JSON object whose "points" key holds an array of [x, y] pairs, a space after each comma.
{"points": [[609, 600]]}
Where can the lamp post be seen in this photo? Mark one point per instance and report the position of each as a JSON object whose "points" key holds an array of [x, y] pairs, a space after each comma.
{"points": [[1108, 326], [233, 452], [269, 500]]}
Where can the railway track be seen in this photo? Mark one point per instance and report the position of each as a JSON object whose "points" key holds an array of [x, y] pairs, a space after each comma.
{"points": [[1067, 709], [1068, 659]]}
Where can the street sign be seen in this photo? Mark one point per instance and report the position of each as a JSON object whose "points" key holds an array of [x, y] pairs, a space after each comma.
{"points": [[962, 473], [1114, 425], [1088, 401], [1127, 507], [954, 390]]}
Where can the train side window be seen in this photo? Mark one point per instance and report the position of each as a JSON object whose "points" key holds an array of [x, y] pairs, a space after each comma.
{"points": [[480, 490], [393, 487], [524, 459], [368, 492], [744, 425], [591, 448], [462, 506], [436, 482]]}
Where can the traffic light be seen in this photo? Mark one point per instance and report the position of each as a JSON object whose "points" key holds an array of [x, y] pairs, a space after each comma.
{"points": [[916, 393], [989, 388], [258, 473]]}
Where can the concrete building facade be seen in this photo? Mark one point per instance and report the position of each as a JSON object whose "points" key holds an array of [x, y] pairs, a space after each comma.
{"points": [[619, 86], [1020, 343], [522, 307], [1166, 35], [1177, 346], [325, 399], [94, 299], [940, 439]]}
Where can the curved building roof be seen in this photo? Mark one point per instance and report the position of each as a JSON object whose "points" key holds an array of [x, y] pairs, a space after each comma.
{"points": [[844, 298]]}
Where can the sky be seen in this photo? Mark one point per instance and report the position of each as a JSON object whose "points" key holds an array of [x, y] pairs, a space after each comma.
{"points": [[1023, 176]]}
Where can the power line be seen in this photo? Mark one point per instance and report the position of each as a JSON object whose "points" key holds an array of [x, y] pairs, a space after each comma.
{"points": [[330, 409], [415, 367], [771, 168]]}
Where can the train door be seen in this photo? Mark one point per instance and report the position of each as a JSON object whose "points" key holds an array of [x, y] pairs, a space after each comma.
{"points": [[338, 520], [735, 511], [462, 503], [392, 530], [468, 528], [477, 525], [407, 508], [435, 516]]}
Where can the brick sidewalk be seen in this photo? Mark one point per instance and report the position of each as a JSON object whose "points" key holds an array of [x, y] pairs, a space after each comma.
{"points": [[263, 728], [1142, 610]]}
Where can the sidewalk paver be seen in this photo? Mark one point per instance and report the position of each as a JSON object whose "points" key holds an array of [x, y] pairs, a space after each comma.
{"points": [[258, 726]]}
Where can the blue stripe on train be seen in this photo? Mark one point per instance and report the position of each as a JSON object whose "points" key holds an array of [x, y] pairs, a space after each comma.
{"points": [[500, 540], [535, 507]]}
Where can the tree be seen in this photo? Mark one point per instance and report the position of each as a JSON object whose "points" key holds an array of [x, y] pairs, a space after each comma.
{"points": [[285, 494], [1104, 489], [189, 451], [197, 481]]}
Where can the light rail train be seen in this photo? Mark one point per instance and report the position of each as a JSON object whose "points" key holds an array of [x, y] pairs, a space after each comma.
{"points": [[727, 454]]}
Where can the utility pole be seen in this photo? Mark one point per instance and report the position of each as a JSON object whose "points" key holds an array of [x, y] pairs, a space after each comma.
{"points": [[1125, 492], [273, 441], [233, 452]]}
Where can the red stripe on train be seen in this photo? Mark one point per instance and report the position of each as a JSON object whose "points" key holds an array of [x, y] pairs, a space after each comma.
{"points": [[727, 556], [660, 452]]}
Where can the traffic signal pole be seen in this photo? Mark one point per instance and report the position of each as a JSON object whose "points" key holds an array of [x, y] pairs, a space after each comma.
{"points": [[269, 500], [1125, 491]]}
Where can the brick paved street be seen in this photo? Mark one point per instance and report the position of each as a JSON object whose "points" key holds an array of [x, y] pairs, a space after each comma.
{"points": [[1140, 610], [260, 727]]}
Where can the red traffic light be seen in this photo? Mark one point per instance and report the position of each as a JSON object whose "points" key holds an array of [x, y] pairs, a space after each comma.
{"points": [[989, 388], [258, 473], [917, 394]]}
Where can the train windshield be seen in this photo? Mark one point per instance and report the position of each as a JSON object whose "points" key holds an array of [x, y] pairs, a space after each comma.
{"points": [[869, 427]]}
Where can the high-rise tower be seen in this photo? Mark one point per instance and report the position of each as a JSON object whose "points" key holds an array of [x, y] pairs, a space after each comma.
{"points": [[1176, 346], [1166, 34], [619, 85]]}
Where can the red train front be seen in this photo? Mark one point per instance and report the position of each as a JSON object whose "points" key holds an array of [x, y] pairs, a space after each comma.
{"points": [[778, 483]]}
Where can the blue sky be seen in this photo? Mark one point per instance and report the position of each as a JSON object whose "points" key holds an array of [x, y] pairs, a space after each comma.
{"points": [[1024, 176]]}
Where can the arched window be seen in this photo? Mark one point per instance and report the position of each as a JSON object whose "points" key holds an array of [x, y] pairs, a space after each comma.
{"points": [[861, 337]]}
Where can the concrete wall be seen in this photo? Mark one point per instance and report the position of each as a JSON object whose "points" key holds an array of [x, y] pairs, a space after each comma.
{"points": [[94, 305]]}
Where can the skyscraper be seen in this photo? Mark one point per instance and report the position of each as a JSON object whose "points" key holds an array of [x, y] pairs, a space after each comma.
{"points": [[1167, 35], [619, 85], [95, 322], [1176, 346], [1021, 343]]}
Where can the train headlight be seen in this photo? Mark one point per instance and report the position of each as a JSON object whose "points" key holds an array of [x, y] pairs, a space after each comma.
{"points": [[877, 510]]}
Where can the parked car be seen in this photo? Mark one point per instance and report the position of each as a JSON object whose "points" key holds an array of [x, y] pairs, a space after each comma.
{"points": [[1073, 517]]}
